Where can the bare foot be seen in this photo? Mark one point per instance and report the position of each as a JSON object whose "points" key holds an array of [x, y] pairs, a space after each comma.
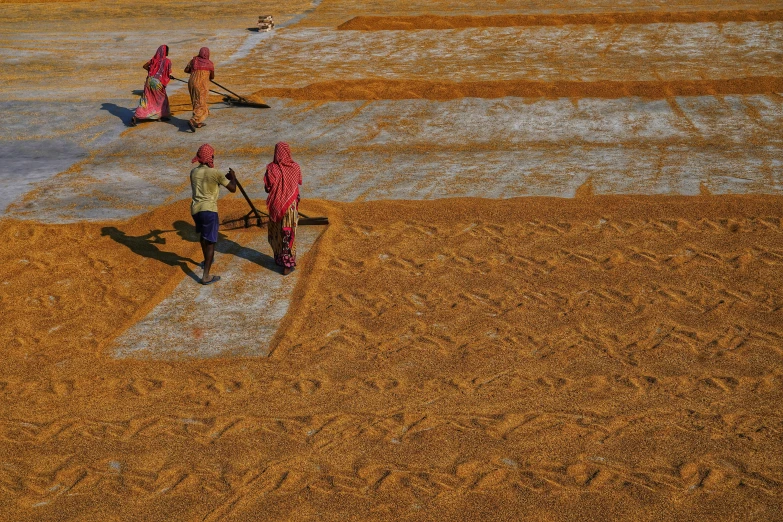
{"points": [[287, 271]]}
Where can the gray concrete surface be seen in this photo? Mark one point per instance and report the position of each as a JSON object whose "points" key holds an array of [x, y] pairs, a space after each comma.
{"points": [[236, 316], [66, 153], [79, 154], [571, 52], [420, 149]]}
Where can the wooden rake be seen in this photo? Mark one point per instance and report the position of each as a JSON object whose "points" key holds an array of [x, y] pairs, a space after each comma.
{"points": [[257, 218], [237, 100]]}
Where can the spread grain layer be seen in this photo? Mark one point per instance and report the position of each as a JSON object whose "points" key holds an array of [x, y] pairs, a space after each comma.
{"points": [[383, 89], [428, 21], [540, 359], [41, 1]]}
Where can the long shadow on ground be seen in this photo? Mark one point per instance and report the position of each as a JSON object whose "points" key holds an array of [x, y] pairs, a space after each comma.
{"points": [[145, 246], [180, 124], [224, 245], [125, 114]]}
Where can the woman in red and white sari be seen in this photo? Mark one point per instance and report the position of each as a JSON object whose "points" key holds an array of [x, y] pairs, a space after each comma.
{"points": [[281, 181], [154, 103]]}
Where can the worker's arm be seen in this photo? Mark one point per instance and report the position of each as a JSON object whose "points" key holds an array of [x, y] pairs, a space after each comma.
{"points": [[232, 186], [188, 67], [146, 66], [211, 75]]}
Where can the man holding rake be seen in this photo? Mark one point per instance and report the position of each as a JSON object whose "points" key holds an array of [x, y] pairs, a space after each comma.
{"points": [[205, 181]]}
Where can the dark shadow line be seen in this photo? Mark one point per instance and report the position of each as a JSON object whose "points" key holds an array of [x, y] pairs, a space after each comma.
{"points": [[123, 113], [187, 231], [145, 246], [180, 124]]}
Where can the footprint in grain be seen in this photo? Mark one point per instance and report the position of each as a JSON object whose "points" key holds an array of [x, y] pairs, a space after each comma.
{"points": [[307, 386], [143, 387]]}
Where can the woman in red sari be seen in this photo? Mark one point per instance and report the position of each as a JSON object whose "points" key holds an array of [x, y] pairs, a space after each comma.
{"points": [[154, 104], [281, 181]]}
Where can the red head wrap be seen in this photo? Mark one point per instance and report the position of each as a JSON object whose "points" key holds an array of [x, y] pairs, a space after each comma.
{"points": [[161, 64], [202, 62], [205, 155], [282, 179]]}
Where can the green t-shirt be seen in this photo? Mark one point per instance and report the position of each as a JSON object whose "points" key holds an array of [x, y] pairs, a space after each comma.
{"points": [[205, 183]]}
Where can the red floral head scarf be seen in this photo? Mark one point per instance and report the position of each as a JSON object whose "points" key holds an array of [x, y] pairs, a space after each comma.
{"points": [[205, 155], [202, 62], [282, 179], [159, 60]]}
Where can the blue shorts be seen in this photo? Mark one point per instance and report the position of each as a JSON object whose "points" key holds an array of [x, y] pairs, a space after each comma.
{"points": [[207, 225]]}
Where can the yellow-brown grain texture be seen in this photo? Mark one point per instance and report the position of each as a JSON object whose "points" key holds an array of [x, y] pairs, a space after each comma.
{"points": [[599, 358], [460, 359], [397, 23], [380, 89]]}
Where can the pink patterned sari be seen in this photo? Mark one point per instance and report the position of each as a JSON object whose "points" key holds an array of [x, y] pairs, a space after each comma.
{"points": [[154, 103], [281, 181]]}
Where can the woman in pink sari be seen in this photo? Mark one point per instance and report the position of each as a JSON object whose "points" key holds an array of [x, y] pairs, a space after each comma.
{"points": [[281, 181], [154, 104]]}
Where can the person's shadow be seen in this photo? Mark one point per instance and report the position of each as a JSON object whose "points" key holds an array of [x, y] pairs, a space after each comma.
{"points": [[145, 246], [224, 245], [123, 113], [182, 125]]}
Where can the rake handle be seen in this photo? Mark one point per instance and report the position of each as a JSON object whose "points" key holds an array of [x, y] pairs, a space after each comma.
{"points": [[247, 198], [232, 92], [306, 221], [183, 81]]}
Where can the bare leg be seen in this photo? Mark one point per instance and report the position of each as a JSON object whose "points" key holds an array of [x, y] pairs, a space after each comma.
{"points": [[209, 254]]}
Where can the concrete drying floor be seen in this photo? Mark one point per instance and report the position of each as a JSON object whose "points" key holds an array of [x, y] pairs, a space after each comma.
{"points": [[236, 316], [541, 358], [502, 147], [68, 83]]}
